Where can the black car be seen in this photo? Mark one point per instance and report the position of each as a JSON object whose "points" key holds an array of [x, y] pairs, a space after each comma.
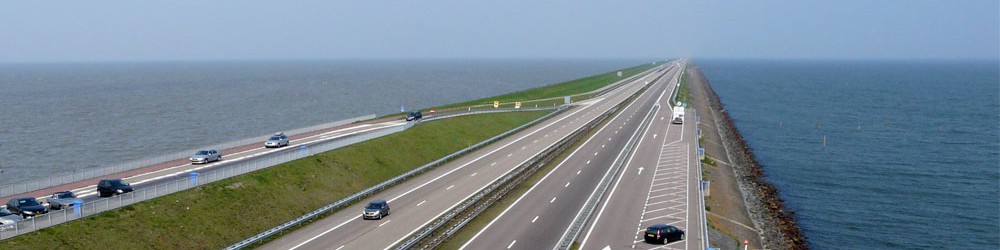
{"points": [[663, 233], [413, 116], [110, 187], [26, 206], [376, 210]]}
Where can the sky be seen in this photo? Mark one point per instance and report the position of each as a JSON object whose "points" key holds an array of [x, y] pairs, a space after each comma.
{"points": [[62, 31]]}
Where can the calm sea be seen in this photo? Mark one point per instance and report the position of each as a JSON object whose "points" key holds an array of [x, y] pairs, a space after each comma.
{"points": [[63, 117], [875, 155]]}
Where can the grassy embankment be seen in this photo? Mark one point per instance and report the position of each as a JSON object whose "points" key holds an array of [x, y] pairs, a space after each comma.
{"points": [[558, 90], [218, 214]]}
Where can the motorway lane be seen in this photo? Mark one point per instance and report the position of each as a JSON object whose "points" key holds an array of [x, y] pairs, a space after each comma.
{"points": [[417, 202], [546, 210], [667, 193], [87, 191]]}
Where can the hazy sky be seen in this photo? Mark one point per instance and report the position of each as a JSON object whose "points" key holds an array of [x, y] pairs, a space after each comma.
{"points": [[32, 31]]}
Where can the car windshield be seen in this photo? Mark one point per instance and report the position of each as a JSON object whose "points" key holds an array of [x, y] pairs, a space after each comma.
{"points": [[65, 195], [5, 212], [374, 206], [275, 138], [27, 202], [203, 152], [119, 183]]}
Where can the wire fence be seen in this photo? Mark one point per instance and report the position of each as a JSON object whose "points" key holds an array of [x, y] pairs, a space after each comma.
{"points": [[70, 177], [184, 182]]}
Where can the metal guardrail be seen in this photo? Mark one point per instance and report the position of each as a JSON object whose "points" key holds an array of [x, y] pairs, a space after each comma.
{"points": [[388, 183], [70, 177], [701, 188], [242, 167]]}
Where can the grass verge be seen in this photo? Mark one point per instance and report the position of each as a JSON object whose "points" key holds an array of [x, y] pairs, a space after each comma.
{"points": [[683, 93], [217, 214], [567, 88]]}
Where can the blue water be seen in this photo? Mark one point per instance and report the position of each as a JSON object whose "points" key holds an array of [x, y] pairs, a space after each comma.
{"points": [[72, 116], [912, 152]]}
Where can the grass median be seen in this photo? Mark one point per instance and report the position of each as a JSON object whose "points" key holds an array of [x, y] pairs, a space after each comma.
{"points": [[218, 214]]}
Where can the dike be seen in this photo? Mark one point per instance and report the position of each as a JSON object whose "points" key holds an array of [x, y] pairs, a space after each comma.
{"points": [[778, 227]]}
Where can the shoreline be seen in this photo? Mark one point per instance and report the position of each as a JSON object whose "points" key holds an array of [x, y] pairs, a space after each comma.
{"points": [[758, 202]]}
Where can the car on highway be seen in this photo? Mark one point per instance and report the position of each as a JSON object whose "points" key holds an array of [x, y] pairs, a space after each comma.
{"points": [[663, 233], [8, 218], [376, 210], [111, 187], [413, 116], [60, 200], [206, 156], [26, 206], [276, 141]]}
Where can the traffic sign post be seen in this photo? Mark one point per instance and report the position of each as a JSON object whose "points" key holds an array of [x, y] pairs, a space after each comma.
{"points": [[517, 105], [746, 243], [496, 104]]}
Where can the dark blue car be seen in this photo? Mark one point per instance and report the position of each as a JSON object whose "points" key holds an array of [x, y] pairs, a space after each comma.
{"points": [[26, 206]]}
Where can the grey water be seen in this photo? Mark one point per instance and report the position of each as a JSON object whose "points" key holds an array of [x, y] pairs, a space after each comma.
{"points": [[61, 117], [875, 155]]}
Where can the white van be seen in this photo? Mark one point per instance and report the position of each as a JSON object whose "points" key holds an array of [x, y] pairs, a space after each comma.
{"points": [[678, 117]]}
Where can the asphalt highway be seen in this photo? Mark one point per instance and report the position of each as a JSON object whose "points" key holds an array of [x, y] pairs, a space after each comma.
{"points": [[659, 185], [419, 201], [539, 218]]}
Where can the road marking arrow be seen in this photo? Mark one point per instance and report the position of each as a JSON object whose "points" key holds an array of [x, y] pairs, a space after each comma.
{"points": [[640, 170]]}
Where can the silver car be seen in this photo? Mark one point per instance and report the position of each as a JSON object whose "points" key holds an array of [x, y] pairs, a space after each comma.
{"points": [[276, 141], [60, 200], [7, 219], [206, 156]]}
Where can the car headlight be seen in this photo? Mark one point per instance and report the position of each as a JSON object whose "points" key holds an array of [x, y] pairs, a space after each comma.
{"points": [[28, 212], [119, 191]]}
